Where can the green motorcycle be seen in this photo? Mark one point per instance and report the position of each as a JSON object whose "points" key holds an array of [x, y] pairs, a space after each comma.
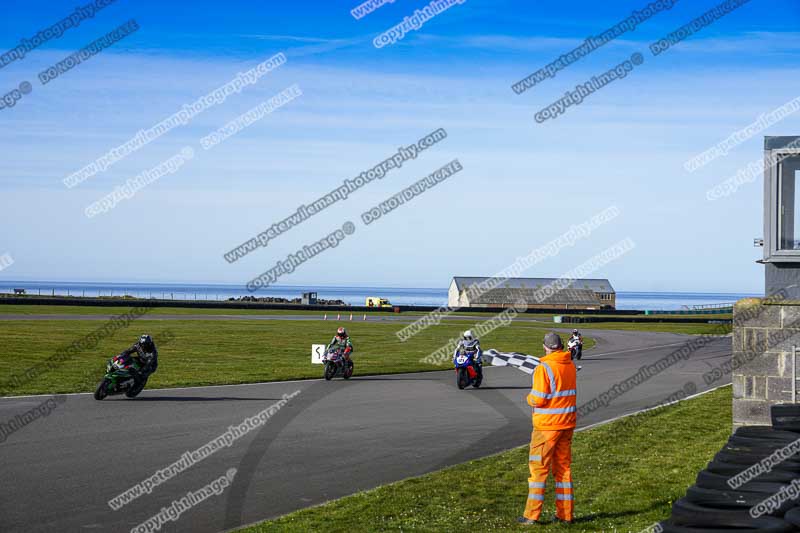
{"points": [[119, 379]]}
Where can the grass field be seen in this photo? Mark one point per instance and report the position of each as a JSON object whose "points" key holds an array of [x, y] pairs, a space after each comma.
{"points": [[236, 351], [626, 475], [95, 310], [241, 351], [115, 310]]}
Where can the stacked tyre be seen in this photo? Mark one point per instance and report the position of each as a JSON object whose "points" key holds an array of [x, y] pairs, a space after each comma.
{"points": [[714, 504]]}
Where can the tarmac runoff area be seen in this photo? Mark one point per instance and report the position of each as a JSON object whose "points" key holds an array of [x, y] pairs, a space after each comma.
{"points": [[330, 440]]}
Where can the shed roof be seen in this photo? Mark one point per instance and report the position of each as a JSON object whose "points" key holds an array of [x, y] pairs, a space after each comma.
{"points": [[499, 297], [596, 285]]}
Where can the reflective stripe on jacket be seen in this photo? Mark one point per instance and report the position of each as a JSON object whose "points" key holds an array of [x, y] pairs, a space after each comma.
{"points": [[554, 393]]}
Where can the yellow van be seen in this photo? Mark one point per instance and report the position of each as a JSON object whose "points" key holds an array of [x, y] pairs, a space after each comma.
{"points": [[374, 301]]}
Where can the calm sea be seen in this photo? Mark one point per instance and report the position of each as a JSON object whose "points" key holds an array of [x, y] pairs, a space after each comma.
{"points": [[350, 295]]}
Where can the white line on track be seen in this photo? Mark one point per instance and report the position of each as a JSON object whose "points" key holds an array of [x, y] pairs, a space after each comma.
{"points": [[637, 349]]}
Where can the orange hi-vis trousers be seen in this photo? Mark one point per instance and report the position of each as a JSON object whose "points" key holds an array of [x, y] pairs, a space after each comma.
{"points": [[550, 449]]}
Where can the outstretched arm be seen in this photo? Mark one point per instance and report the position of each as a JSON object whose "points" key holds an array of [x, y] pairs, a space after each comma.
{"points": [[130, 351]]}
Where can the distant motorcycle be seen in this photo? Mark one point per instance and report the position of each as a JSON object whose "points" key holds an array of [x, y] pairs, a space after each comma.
{"points": [[575, 348], [119, 379], [336, 364], [466, 374]]}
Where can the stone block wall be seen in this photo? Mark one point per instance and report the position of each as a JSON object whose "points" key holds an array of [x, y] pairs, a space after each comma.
{"points": [[764, 332]]}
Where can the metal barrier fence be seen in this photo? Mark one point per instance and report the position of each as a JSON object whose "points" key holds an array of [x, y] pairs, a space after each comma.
{"points": [[117, 293]]}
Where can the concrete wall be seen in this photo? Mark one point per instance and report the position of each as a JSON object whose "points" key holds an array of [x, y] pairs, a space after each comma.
{"points": [[783, 277], [763, 335]]}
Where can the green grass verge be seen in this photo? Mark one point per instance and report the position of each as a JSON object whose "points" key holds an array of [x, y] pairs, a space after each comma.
{"points": [[541, 321], [237, 351], [240, 351], [626, 474], [20, 309], [97, 310]]}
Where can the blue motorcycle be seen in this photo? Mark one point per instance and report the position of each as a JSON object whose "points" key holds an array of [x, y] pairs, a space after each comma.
{"points": [[466, 374]]}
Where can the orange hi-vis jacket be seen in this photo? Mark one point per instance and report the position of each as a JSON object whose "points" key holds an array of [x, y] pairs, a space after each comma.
{"points": [[554, 393]]}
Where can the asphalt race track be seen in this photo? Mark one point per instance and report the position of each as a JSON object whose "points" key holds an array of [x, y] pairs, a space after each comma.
{"points": [[333, 439]]}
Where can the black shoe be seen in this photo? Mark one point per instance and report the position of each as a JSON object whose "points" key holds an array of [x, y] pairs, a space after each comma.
{"points": [[527, 521], [558, 520]]}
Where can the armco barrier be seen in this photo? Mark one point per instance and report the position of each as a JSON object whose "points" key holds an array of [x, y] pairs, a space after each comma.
{"points": [[154, 302], [720, 311], [641, 319]]}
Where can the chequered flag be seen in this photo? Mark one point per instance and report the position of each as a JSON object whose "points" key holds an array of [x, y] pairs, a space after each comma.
{"points": [[521, 361]]}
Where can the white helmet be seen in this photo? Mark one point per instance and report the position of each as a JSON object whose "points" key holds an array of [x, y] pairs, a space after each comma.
{"points": [[468, 336]]}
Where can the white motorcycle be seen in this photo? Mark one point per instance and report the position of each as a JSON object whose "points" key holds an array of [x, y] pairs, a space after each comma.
{"points": [[575, 348]]}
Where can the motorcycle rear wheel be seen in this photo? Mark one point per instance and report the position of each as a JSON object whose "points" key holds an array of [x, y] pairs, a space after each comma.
{"points": [[134, 391], [102, 390], [348, 370]]}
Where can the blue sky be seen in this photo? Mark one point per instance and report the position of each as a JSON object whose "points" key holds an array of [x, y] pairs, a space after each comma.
{"points": [[522, 185]]}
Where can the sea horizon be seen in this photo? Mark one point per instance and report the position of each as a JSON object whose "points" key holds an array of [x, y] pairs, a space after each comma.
{"points": [[350, 294]]}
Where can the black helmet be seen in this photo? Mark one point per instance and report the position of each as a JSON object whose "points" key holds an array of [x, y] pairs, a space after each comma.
{"points": [[574, 331], [146, 342]]}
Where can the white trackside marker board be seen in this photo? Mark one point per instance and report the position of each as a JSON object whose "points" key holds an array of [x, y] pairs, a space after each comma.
{"points": [[317, 351]]}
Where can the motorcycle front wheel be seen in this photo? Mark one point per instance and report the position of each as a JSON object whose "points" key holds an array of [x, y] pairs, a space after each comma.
{"points": [[102, 390], [330, 371], [462, 378]]}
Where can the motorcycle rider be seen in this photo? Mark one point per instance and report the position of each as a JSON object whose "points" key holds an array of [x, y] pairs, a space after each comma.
{"points": [[341, 342], [470, 344], [145, 354], [577, 338]]}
